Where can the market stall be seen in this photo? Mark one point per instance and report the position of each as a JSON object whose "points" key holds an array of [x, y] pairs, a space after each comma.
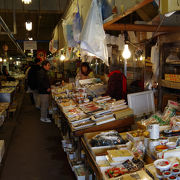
{"points": [[76, 115], [132, 38], [94, 127], [153, 151]]}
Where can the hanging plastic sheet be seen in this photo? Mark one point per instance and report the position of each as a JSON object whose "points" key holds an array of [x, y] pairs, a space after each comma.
{"points": [[77, 25], [155, 62], [68, 31], [93, 35], [106, 9], [120, 42], [54, 43]]}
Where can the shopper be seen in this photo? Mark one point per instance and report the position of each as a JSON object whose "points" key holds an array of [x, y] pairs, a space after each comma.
{"points": [[117, 83], [33, 83], [85, 72], [44, 90], [6, 74]]}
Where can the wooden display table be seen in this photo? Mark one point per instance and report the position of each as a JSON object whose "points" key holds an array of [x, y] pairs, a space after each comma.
{"points": [[119, 125], [91, 161]]}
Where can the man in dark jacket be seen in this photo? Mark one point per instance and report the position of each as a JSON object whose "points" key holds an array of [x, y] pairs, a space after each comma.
{"points": [[32, 81], [44, 90], [117, 83]]}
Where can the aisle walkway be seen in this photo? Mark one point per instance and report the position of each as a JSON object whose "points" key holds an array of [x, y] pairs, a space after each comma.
{"points": [[35, 152]]}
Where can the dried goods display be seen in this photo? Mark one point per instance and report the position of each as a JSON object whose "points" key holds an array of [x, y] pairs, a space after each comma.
{"points": [[107, 139]]}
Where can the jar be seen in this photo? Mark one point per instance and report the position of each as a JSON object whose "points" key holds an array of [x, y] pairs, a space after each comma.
{"points": [[153, 144]]}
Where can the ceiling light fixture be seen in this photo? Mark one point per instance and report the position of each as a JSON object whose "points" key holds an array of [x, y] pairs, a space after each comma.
{"points": [[5, 60], [1, 59], [28, 26], [27, 1], [126, 55], [126, 52], [62, 57], [141, 58], [30, 38]]}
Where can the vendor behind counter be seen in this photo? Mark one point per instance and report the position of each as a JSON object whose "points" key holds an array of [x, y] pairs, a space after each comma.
{"points": [[85, 72], [117, 83]]}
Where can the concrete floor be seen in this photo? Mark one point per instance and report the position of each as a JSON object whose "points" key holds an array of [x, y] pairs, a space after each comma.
{"points": [[35, 151]]}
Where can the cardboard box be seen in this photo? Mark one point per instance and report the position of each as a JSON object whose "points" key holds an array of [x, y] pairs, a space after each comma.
{"points": [[172, 77]]}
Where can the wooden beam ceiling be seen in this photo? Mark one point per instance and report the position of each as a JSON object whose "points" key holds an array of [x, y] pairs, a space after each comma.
{"points": [[142, 28], [25, 11], [129, 11]]}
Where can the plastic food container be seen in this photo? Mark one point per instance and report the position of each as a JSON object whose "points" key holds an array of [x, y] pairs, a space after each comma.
{"points": [[158, 176], [172, 177], [171, 145], [175, 171], [162, 165], [178, 176], [166, 174]]}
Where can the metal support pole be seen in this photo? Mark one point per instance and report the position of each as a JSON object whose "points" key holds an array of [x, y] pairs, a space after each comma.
{"points": [[125, 67]]}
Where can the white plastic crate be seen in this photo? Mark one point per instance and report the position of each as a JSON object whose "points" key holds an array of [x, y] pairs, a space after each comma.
{"points": [[142, 103]]}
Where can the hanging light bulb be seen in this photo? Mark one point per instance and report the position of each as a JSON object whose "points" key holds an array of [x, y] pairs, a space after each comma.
{"points": [[5, 60], [141, 58], [28, 26], [62, 57], [1, 59], [10, 58], [126, 52], [27, 1], [30, 38]]}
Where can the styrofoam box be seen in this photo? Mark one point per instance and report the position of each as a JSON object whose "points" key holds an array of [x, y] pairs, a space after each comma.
{"points": [[132, 138], [80, 177], [2, 149], [142, 103]]}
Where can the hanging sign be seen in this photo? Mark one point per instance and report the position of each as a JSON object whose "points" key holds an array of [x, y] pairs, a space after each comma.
{"points": [[28, 45]]}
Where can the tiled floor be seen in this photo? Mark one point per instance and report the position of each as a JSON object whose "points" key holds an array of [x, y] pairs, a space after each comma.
{"points": [[35, 151]]}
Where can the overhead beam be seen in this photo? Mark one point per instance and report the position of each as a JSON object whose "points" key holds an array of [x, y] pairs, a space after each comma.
{"points": [[142, 28], [129, 11], [23, 11]]}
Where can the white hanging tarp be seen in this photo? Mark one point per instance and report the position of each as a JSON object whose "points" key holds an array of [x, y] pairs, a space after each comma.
{"points": [[93, 35]]}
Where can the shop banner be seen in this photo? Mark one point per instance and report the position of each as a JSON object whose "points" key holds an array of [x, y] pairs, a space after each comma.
{"points": [[28, 45]]}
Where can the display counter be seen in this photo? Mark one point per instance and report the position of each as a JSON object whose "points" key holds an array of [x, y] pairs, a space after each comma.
{"points": [[95, 128], [3, 111], [9, 83], [6, 94], [103, 159]]}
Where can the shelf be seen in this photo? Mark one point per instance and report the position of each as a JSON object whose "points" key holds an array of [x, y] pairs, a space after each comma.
{"points": [[170, 84], [169, 64]]}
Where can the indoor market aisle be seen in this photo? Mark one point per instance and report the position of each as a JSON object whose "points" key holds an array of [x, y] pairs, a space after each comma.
{"points": [[35, 151]]}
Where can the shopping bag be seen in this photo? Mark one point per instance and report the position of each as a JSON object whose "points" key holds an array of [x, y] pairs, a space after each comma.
{"points": [[93, 35]]}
